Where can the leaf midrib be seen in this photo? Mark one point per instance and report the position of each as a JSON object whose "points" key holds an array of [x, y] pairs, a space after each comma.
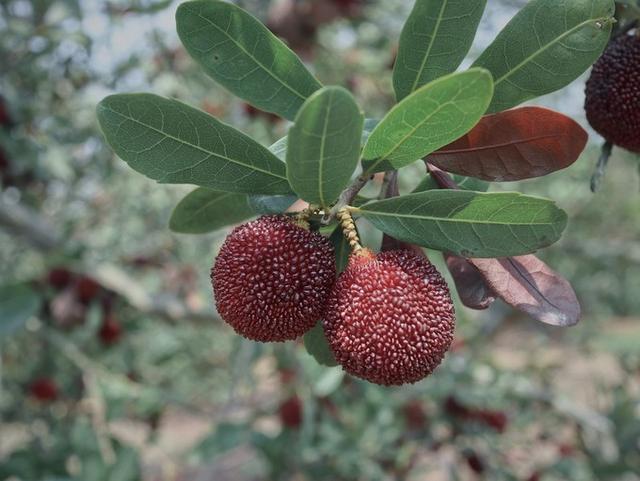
{"points": [[495, 146], [420, 124], [431, 43], [323, 142], [453, 220], [546, 47], [282, 82], [197, 147]]}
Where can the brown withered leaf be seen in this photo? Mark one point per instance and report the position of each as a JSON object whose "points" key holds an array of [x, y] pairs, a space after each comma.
{"points": [[470, 284], [513, 145], [529, 285]]}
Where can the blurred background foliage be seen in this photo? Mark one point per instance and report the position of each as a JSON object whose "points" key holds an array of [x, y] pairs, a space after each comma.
{"points": [[122, 370]]}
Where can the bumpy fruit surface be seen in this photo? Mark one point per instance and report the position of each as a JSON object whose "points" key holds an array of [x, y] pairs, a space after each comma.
{"points": [[390, 317], [272, 278], [613, 93]]}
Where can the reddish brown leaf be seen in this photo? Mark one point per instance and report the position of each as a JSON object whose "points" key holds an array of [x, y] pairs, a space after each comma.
{"points": [[529, 285], [513, 145], [472, 289]]}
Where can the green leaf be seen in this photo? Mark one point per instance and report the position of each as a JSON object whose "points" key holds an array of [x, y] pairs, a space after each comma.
{"points": [[315, 342], [341, 248], [271, 204], [434, 41], [171, 142], [470, 224], [240, 53], [18, 303], [465, 183], [324, 145], [431, 117], [547, 45], [205, 210]]}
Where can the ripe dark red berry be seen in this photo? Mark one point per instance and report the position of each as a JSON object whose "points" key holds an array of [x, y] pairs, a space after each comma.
{"points": [[44, 389], [290, 412], [494, 419], [415, 415], [613, 93], [390, 317], [59, 277], [87, 289], [272, 278], [475, 463], [110, 331]]}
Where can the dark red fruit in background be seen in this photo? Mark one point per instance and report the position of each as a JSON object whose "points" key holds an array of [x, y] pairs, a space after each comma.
{"points": [[255, 113], [5, 118], [110, 331], [59, 277], [454, 408], [44, 389], [613, 93], [474, 462], [390, 317], [290, 412], [87, 289], [415, 415], [494, 419], [272, 278]]}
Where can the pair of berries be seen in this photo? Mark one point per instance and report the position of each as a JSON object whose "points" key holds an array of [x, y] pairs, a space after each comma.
{"points": [[388, 318]]}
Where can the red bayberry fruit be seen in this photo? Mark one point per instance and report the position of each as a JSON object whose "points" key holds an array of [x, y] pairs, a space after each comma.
{"points": [[44, 389], [474, 462], [5, 118], [613, 93], [110, 331], [59, 277], [494, 419], [87, 289], [272, 278], [415, 415], [290, 412], [390, 317]]}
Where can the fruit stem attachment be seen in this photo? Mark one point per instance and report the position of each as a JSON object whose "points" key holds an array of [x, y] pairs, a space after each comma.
{"points": [[601, 166], [302, 218], [346, 198], [349, 228]]}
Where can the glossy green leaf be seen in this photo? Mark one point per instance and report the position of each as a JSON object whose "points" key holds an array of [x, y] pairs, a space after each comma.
{"points": [[341, 249], [315, 342], [324, 145], [271, 204], [465, 183], [240, 53], [205, 210], [174, 143], [470, 224], [547, 45], [18, 303], [431, 117], [434, 41]]}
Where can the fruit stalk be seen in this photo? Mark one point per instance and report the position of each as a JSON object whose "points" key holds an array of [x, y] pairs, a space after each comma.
{"points": [[346, 198], [349, 229]]}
